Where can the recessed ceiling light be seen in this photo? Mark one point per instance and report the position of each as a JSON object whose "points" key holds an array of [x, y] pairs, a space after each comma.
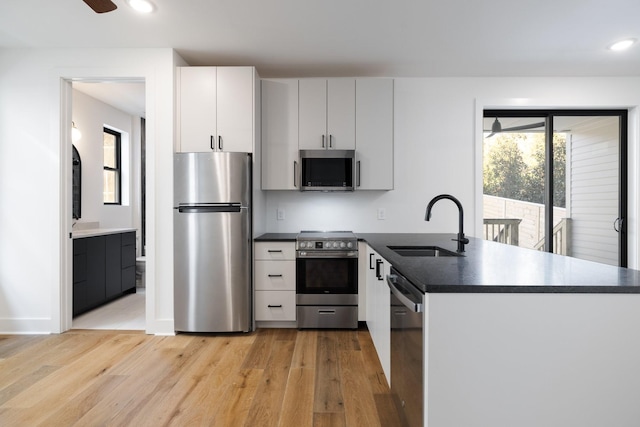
{"points": [[142, 6], [622, 44]]}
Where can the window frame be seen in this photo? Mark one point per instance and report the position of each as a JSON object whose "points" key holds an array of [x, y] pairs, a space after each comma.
{"points": [[117, 169], [548, 115]]}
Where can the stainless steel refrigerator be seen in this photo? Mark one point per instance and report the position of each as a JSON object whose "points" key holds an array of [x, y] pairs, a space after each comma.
{"points": [[212, 242]]}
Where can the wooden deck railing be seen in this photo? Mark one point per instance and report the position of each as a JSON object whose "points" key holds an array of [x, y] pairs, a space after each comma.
{"points": [[561, 234], [502, 230]]}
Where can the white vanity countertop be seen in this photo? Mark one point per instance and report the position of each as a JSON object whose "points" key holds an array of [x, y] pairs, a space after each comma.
{"points": [[91, 232]]}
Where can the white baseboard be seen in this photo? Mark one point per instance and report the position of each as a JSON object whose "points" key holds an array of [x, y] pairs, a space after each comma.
{"points": [[25, 326]]}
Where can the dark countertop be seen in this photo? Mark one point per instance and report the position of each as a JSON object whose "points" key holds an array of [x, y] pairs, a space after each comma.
{"points": [[276, 237], [490, 267]]}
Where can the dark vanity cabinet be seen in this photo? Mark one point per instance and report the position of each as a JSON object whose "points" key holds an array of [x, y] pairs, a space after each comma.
{"points": [[103, 269]]}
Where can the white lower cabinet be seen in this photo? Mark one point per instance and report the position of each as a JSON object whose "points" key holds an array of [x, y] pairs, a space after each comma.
{"points": [[275, 305], [378, 308], [275, 281]]}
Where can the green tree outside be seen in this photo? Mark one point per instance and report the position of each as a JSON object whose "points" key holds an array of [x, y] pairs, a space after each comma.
{"points": [[514, 167]]}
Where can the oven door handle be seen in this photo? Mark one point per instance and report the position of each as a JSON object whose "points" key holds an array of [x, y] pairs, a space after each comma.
{"points": [[403, 294]]}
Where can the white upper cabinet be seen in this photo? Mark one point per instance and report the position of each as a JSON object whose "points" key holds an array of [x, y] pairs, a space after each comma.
{"points": [[216, 109], [327, 114], [196, 100], [279, 134], [374, 134]]}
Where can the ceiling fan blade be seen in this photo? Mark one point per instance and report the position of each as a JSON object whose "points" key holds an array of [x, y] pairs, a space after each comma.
{"points": [[524, 127], [101, 6], [497, 127]]}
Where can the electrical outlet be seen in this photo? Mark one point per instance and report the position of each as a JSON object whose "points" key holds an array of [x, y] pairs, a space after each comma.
{"points": [[280, 214], [382, 214]]}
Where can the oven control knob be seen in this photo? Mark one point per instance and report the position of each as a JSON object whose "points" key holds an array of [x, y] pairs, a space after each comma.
{"points": [[303, 245], [343, 245], [349, 245]]}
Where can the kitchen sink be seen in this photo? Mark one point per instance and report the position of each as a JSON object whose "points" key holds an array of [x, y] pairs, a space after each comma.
{"points": [[422, 251]]}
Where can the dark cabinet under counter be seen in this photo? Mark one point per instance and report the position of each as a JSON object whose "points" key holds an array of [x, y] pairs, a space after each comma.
{"points": [[103, 269]]}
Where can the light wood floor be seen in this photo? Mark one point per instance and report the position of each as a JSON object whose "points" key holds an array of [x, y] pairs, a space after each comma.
{"points": [[272, 377]]}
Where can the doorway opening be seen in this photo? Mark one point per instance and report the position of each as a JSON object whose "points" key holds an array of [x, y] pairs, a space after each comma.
{"points": [[116, 105], [556, 181]]}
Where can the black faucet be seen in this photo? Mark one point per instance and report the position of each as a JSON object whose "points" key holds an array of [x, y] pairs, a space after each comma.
{"points": [[461, 239]]}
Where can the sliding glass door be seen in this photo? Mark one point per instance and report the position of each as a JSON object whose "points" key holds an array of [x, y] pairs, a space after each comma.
{"points": [[556, 181]]}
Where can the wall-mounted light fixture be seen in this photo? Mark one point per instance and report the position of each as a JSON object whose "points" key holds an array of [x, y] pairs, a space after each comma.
{"points": [[75, 133]]}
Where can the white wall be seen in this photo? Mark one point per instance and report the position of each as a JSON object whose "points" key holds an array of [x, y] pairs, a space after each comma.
{"points": [[91, 116], [437, 129], [438, 139], [35, 177]]}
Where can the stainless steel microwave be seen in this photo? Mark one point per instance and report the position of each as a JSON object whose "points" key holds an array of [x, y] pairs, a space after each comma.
{"points": [[327, 170]]}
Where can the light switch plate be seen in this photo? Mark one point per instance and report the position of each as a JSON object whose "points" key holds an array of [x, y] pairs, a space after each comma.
{"points": [[280, 214], [382, 214]]}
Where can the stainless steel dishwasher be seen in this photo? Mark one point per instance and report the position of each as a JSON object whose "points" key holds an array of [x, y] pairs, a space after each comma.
{"points": [[407, 347]]}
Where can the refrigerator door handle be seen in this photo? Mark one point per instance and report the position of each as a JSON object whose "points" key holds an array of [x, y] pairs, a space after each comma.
{"points": [[212, 208]]}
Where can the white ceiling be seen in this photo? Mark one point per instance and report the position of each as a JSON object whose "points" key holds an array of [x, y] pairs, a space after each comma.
{"points": [[285, 38], [127, 97], [392, 38]]}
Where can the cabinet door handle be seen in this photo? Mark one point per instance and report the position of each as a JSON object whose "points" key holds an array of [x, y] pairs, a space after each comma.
{"points": [[211, 143], [219, 143], [295, 166], [274, 251], [275, 275], [371, 267], [378, 273], [330, 141], [358, 173], [274, 306], [322, 141]]}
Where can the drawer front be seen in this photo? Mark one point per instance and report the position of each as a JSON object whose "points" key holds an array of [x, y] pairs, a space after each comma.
{"points": [[275, 275], [275, 251], [275, 305], [129, 238]]}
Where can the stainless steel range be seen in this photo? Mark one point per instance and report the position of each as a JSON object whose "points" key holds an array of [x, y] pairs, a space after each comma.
{"points": [[327, 279]]}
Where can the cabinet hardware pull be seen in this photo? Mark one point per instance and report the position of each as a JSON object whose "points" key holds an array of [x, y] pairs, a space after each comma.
{"points": [[378, 273], [211, 143], [326, 311], [330, 141], [358, 173], [371, 267], [275, 275], [322, 141], [219, 142], [274, 306], [295, 166], [274, 250]]}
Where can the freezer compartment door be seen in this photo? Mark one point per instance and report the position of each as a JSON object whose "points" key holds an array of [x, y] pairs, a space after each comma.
{"points": [[216, 177], [212, 271]]}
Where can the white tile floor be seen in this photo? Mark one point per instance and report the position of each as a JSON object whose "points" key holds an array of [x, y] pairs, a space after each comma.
{"points": [[126, 313]]}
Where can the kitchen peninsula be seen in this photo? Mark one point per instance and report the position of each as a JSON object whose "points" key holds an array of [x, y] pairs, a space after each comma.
{"points": [[519, 337], [516, 337]]}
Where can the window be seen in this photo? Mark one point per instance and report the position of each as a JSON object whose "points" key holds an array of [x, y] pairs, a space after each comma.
{"points": [[556, 181], [112, 173]]}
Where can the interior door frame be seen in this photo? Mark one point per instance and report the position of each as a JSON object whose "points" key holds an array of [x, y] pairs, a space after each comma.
{"points": [[548, 115], [62, 309]]}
